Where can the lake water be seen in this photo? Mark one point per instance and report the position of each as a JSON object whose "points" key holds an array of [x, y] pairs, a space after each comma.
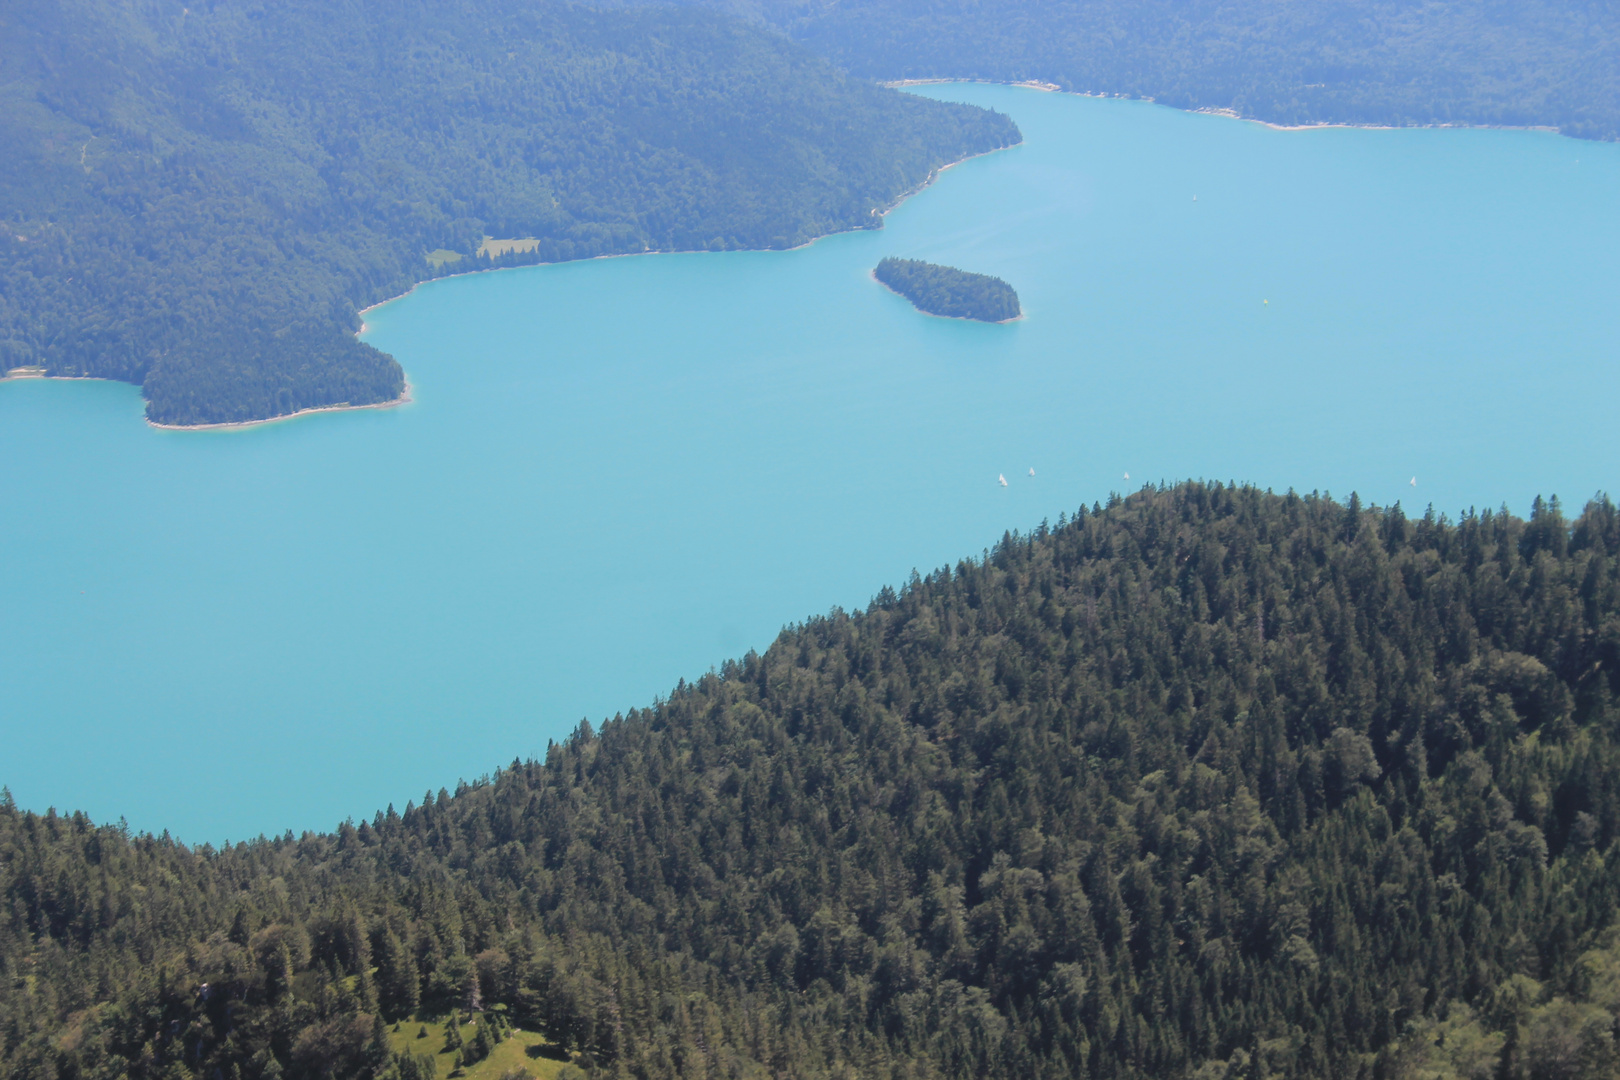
{"points": [[620, 472]]}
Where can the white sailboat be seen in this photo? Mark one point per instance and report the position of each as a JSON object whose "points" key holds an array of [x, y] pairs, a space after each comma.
{"points": [[1001, 479]]}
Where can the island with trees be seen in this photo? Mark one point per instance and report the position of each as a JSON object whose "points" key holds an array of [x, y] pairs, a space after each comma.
{"points": [[949, 292]]}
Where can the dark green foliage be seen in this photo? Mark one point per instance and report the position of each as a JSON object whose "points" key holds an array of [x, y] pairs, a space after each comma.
{"points": [[1207, 782], [417, 1067], [947, 291], [1538, 63], [482, 1043], [197, 197]]}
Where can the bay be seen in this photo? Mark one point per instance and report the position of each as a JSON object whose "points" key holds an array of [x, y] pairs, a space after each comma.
{"points": [[618, 473]]}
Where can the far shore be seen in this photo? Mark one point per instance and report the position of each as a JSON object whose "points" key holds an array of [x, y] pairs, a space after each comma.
{"points": [[19, 374], [29, 373], [1231, 114]]}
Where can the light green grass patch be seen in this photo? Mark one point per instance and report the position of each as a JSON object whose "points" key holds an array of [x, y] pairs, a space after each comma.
{"points": [[492, 248], [516, 1052], [441, 256]]}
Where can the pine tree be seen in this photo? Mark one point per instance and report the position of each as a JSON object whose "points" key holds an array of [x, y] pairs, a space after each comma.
{"points": [[398, 982], [481, 1046]]}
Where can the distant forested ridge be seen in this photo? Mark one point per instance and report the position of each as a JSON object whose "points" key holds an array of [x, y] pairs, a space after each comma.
{"points": [[198, 196], [1206, 783], [1539, 63], [947, 291]]}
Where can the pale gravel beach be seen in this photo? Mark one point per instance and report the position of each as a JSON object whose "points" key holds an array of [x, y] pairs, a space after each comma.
{"points": [[403, 399]]}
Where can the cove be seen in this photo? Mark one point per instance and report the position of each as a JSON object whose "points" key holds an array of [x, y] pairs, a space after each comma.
{"points": [[618, 473]]}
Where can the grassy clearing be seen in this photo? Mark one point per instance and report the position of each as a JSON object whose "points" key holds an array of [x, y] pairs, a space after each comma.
{"points": [[492, 248], [441, 256], [526, 1050]]}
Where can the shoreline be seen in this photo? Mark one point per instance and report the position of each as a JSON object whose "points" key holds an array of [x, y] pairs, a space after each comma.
{"points": [[404, 398], [1232, 114], [926, 183], [40, 375], [1030, 84], [365, 326]]}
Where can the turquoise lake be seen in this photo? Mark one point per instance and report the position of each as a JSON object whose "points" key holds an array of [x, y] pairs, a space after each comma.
{"points": [[618, 473]]}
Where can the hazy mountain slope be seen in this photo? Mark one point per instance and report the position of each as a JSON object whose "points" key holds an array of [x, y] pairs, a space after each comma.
{"points": [[198, 198], [1209, 782], [1547, 62]]}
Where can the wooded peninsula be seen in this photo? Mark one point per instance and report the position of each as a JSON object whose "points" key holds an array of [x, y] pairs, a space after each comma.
{"points": [[198, 199], [1206, 782], [947, 291]]}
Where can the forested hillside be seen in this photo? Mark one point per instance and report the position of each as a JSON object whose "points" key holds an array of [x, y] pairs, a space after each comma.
{"points": [[1207, 782], [199, 198], [1543, 62]]}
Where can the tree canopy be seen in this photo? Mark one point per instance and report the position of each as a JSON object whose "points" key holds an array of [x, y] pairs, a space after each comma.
{"points": [[1208, 782], [947, 291]]}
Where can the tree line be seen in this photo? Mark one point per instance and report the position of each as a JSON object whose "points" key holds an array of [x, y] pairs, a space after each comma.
{"points": [[1207, 782]]}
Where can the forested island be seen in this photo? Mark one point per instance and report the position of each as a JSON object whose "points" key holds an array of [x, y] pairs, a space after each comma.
{"points": [[1206, 782], [947, 291], [198, 198], [1538, 63]]}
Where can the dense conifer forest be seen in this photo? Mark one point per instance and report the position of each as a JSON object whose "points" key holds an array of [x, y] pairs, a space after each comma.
{"points": [[947, 291], [1207, 782], [1537, 63], [198, 195]]}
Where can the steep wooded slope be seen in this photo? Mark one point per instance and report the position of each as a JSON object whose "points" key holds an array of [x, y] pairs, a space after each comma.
{"points": [[1206, 782]]}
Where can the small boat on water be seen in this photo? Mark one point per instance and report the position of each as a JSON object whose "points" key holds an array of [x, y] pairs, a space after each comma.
{"points": [[1001, 479]]}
